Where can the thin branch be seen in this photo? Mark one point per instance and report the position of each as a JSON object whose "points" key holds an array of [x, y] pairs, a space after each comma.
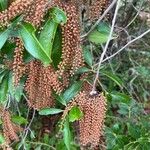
{"points": [[125, 46], [101, 17], [106, 47]]}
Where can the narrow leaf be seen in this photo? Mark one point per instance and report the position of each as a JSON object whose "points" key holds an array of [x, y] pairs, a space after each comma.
{"points": [[47, 36], [3, 90], [3, 4], [67, 134], [19, 120], [72, 91], [57, 48], [2, 139], [4, 36], [113, 77], [50, 111], [88, 57], [15, 92], [32, 44]]}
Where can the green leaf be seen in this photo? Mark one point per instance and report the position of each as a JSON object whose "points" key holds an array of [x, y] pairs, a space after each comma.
{"points": [[47, 36], [3, 4], [88, 57], [3, 90], [60, 99], [2, 75], [57, 48], [103, 27], [100, 34], [4, 36], [16, 92], [75, 114], [72, 91], [2, 139], [19, 120], [32, 44], [58, 15], [67, 134], [113, 77], [50, 111], [120, 97], [82, 70], [1, 122]]}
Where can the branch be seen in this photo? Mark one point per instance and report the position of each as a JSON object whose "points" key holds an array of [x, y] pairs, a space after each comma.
{"points": [[101, 17], [129, 43], [105, 48]]}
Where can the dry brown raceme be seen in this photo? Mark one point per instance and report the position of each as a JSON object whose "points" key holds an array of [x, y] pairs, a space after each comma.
{"points": [[92, 124], [9, 128]]}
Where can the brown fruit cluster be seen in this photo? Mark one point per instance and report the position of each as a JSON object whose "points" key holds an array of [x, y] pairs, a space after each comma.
{"points": [[92, 124], [9, 129], [39, 85], [16, 8], [71, 50], [18, 64], [96, 9], [36, 12]]}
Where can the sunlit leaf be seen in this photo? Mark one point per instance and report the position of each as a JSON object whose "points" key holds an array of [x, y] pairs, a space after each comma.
{"points": [[75, 114]]}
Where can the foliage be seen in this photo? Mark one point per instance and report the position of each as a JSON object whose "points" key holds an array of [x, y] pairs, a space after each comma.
{"points": [[125, 81]]}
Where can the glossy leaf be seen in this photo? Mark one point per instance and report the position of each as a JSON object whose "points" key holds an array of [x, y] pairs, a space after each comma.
{"points": [[47, 36], [72, 91], [32, 44], [58, 15], [4, 36], [75, 114], [50, 111], [2, 75]]}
